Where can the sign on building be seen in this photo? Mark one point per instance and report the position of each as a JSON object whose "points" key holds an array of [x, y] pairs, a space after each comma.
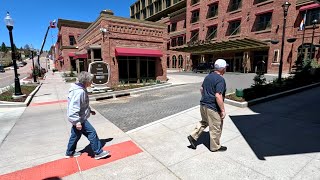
{"points": [[100, 71]]}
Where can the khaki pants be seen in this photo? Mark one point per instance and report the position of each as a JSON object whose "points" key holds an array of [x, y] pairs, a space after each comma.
{"points": [[212, 119]]}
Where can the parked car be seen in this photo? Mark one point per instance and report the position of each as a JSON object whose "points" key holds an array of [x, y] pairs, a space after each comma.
{"points": [[2, 69], [203, 67]]}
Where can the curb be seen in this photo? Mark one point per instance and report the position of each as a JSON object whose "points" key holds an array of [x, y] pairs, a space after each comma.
{"points": [[270, 97], [123, 93], [5, 104]]}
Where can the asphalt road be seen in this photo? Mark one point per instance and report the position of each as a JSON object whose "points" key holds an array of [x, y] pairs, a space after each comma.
{"points": [[7, 78], [131, 112]]}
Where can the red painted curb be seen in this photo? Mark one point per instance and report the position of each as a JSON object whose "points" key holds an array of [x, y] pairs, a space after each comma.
{"points": [[65, 167], [49, 102]]}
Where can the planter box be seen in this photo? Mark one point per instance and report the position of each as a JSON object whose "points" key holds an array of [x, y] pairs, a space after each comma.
{"points": [[6, 104], [270, 97]]}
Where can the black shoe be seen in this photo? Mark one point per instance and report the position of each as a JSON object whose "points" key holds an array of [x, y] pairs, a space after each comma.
{"points": [[222, 148], [192, 142]]}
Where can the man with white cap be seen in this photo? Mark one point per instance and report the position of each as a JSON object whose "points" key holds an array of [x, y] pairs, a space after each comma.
{"points": [[212, 110]]}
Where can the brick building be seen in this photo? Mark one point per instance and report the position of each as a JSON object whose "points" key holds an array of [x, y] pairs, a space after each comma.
{"points": [[241, 31], [133, 49], [173, 14], [67, 42]]}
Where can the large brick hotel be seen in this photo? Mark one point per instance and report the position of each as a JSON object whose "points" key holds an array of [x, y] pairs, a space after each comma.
{"points": [[240, 31], [180, 34]]}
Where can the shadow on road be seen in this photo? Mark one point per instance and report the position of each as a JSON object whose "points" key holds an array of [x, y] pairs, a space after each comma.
{"points": [[286, 126], [53, 178], [89, 150]]}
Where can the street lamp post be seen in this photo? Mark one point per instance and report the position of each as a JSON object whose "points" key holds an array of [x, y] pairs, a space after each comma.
{"points": [[33, 70], [314, 23], [285, 7], [17, 88]]}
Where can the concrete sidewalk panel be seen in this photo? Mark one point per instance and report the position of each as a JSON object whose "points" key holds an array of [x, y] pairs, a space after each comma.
{"points": [[164, 174], [76, 176], [179, 121], [208, 166], [276, 167], [149, 131], [133, 167], [227, 135], [310, 172], [169, 147], [8, 168]]}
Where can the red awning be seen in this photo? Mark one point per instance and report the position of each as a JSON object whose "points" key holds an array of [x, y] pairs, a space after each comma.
{"points": [[264, 12], [138, 52], [81, 56], [234, 19], [310, 6], [71, 54]]}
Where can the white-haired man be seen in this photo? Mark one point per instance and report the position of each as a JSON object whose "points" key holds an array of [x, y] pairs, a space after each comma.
{"points": [[78, 113], [212, 110]]}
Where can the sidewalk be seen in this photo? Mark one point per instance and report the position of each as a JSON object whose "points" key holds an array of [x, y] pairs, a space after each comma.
{"points": [[274, 140]]}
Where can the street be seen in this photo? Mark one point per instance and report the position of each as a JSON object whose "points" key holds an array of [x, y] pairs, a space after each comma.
{"points": [[131, 112], [7, 78]]}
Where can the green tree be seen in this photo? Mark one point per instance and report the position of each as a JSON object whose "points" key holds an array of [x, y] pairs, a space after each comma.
{"points": [[3, 47]]}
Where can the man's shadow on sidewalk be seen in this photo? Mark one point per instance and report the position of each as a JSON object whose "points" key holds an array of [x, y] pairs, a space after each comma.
{"points": [[203, 139], [89, 150]]}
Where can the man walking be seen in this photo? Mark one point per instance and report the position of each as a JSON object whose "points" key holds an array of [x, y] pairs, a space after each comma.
{"points": [[78, 113], [211, 107]]}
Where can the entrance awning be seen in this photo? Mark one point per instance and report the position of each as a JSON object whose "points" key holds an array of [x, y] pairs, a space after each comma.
{"points": [[71, 54], [138, 52], [310, 6], [81, 56], [202, 47]]}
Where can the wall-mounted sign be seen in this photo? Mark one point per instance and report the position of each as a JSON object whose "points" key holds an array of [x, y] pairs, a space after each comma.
{"points": [[100, 71]]}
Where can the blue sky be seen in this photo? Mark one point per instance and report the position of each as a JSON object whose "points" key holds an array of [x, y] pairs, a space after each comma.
{"points": [[32, 17]]}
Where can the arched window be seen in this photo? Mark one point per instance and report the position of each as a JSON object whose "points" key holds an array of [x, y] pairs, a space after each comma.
{"points": [[174, 62], [180, 61]]}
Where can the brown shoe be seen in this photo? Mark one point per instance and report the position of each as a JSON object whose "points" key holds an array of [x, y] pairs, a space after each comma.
{"points": [[222, 148], [192, 142]]}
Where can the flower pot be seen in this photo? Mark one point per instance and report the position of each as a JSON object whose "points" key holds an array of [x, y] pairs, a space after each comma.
{"points": [[239, 92]]}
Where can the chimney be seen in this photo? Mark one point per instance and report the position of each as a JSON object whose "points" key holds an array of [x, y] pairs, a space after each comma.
{"points": [[107, 11]]}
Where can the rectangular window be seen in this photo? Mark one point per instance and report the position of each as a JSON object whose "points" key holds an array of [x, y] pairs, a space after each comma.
{"points": [[168, 28], [151, 10], [168, 3], [185, 24], [264, 22], [212, 32], [175, 1], [132, 10], [138, 7], [72, 40], [149, 2], [234, 28], [312, 14], [173, 27], [143, 2], [173, 42], [259, 1], [138, 15], [180, 41], [144, 13], [194, 35], [276, 56], [235, 5], [160, 5], [194, 2], [195, 16], [213, 10]]}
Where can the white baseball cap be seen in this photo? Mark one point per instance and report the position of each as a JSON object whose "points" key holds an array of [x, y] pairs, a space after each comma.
{"points": [[220, 63]]}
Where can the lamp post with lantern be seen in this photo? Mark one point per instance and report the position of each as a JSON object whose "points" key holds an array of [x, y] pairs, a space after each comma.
{"points": [[285, 7], [17, 88]]}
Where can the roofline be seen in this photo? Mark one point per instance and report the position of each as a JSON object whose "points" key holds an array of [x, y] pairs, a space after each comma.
{"points": [[113, 18], [72, 23]]}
